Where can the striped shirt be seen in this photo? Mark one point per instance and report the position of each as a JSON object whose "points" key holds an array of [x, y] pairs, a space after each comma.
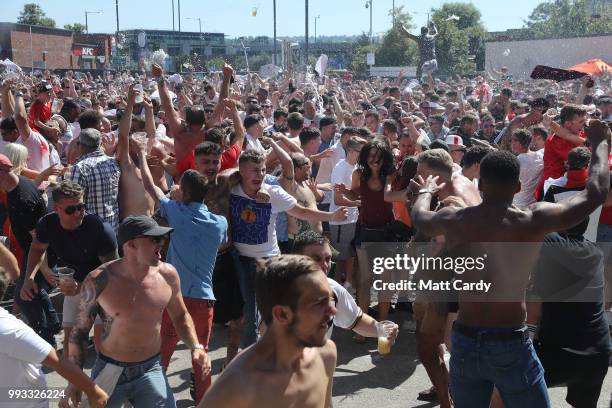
{"points": [[99, 174]]}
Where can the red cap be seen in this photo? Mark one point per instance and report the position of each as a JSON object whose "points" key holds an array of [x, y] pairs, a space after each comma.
{"points": [[5, 161]]}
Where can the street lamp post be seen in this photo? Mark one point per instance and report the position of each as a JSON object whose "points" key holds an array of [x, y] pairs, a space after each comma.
{"points": [[200, 28], [306, 37], [86, 14], [315, 19], [370, 1]]}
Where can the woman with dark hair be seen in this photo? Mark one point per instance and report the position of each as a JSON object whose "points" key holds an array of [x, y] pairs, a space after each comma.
{"points": [[375, 164]]}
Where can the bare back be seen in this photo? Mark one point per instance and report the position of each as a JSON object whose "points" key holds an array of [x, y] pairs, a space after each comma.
{"points": [[133, 198]]}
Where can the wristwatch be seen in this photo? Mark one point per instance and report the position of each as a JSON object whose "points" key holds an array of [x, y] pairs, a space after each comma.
{"points": [[197, 347]]}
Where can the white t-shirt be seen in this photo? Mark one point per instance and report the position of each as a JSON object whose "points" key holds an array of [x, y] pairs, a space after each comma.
{"points": [[343, 173], [326, 167], [347, 311], [39, 154], [254, 224], [532, 166], [21, 353], [254, 144]]}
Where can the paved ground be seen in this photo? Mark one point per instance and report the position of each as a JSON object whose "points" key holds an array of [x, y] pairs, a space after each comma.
{"points": [[363, 379]]}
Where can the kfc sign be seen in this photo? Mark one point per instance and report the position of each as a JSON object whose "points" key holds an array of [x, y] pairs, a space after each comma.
{"points": [[85, 51]]}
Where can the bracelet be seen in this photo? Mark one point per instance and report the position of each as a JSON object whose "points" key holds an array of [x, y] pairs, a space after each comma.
{"points": [[197, 347]]}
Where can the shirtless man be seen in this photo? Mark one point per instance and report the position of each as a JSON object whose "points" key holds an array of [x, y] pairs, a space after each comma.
{"points": [[490, 344], [133, 199], [131, 295], [431, 323], [304, 189], [293, 363], [189, 134]]}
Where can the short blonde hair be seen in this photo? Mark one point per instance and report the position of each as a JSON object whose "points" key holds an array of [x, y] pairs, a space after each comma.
{"points": [[18, 155], [437, 160]]}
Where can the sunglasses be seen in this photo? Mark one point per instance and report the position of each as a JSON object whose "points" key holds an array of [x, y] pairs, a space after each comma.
{"points": [[156, 240], [71, 209]]}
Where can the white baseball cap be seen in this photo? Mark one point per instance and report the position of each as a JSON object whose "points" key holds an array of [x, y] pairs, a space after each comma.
{"points": [[454, 141]]}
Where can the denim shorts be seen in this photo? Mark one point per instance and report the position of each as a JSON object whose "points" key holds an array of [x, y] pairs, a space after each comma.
{"points": [[496, 356], [143, 384]]}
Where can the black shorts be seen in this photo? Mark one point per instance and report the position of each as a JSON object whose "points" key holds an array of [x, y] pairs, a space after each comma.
{"points": [[229, 303], [582, 375]]}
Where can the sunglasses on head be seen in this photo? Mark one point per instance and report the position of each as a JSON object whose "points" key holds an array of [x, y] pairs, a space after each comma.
{"points": [[71, 209]]}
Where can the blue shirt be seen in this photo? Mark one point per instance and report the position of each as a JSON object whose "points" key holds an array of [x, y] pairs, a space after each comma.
{"points": [[193, 245]]}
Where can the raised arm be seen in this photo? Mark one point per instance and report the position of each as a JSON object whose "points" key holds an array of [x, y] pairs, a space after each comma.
{"points": [[147, 180], [123, 145], [174, 121], [549, 217], [239, 132], [8, 101], [408, 34], [21, 117]]}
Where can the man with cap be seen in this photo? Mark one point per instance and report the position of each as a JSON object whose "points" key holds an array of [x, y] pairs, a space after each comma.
{"points": [[40, 110], [131, 294], [193, 251], [99, 175], [456, 148]]}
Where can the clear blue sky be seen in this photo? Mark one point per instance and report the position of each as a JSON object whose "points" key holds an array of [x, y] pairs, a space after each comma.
{"points": [[233, 17]]}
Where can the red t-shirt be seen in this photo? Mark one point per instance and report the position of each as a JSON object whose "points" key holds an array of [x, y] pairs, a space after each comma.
{"points": [[39, 111], [229, 160], [556, 150]]}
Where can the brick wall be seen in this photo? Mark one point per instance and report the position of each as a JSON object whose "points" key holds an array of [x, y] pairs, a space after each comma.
{"points": [[58, 49]]}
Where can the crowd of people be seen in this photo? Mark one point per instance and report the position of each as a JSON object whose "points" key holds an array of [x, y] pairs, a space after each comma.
{"points": [[159, 206]]}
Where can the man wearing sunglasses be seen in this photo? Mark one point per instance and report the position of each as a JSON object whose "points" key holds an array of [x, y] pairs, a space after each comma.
{"points": [[80, 241]]}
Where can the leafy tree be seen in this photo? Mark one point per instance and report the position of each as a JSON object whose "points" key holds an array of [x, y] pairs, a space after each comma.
{"points": [[358, 63], [77, 28], [258, 60], [567, 18], [32, 14], [460, 41], [397, 49]]}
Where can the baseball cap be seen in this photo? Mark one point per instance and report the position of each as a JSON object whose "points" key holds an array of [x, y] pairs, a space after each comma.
{"points": [[136, 226], [44, 87], [89, 137], [454, 141], [5, 161]]}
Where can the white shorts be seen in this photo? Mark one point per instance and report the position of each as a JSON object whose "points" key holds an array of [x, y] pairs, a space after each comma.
{"points": [[71, 309], [342, 237]]}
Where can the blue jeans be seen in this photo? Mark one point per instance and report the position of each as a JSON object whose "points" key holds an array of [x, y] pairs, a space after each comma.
{"points": [[39, 312], [477, 364], [143, 384], [246, 269]]}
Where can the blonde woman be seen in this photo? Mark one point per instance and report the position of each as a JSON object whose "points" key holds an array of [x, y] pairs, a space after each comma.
{"points": [[18, 154]]}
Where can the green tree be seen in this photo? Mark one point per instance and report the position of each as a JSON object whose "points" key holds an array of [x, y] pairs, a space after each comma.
{"points": [[396, 49], [77, 28], [32, 14], [566, 18], [358, 63], [216, 63], [258, 60], [461, 37]]}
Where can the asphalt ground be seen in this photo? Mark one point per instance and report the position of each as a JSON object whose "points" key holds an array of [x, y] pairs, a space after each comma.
{"points": [[363, 378]]}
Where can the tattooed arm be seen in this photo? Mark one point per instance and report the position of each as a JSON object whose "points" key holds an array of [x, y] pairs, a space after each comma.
{"points": [[92, 287]]}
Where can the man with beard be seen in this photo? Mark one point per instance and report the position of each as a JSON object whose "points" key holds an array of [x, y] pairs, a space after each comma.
{"points": [[293, 363], [131, 294]]}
